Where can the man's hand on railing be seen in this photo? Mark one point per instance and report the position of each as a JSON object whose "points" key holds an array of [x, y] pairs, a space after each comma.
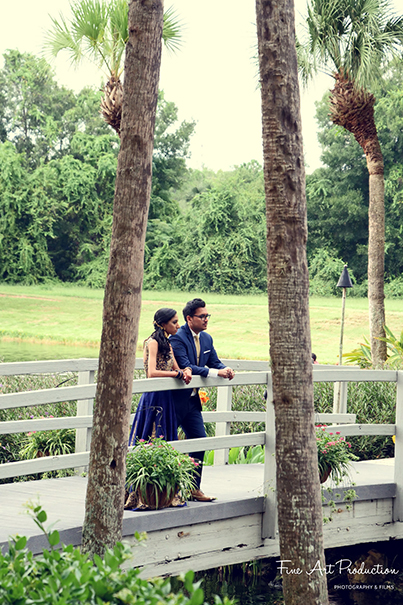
{"points": [[226, 373], [187, 375]]}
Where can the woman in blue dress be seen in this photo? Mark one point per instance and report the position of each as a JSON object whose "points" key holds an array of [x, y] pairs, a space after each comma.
{"points": [[155, 415]]}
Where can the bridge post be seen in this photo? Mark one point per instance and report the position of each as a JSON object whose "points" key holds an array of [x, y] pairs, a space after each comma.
{"points": [[398, 501], [269, 517], [340, 398], [85, 407], [224, 404]]}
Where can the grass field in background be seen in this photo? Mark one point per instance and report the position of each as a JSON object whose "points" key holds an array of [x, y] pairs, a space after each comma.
{"points": [[71, 315]]}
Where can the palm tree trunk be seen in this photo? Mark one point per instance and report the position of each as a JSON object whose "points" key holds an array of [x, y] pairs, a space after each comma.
{"points": [[353, 108], [107, 470], [376, 271], [298, 488]]}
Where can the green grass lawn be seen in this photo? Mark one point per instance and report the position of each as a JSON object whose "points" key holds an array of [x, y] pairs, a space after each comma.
{"points": [[71, 315]]}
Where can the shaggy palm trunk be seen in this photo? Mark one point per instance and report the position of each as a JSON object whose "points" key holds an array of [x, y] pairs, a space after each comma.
{"points": [[298, 487], [111, 103], [353, 108], [107, 470]]}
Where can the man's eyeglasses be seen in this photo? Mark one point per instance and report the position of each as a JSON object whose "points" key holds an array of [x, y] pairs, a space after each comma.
{"points": [[204, 316]]}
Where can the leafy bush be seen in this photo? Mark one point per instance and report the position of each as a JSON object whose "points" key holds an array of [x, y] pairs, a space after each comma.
{"points": [[239, 455], [67, 577], [247, 398], [324, 272], [159, 465], [373, 403], [48, 443], [394, 288], [13, 447], [334, 455], [362, 355]]}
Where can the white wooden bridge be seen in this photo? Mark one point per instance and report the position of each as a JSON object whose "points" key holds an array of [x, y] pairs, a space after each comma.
{"points": [[241, 524]]}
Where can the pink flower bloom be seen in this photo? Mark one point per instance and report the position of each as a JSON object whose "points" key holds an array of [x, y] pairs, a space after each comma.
{"points": [[337, 432], [330, 433], [142, 440], [161, 436]]}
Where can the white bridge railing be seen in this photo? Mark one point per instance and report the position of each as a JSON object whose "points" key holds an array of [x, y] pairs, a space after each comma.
{"points": [[247, 373]]}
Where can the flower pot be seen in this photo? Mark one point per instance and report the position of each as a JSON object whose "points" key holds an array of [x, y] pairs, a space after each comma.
{"points": [[325, 475], [155, 499]]}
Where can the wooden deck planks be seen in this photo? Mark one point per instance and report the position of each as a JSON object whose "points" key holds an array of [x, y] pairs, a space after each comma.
{"points": [[228, 529]]}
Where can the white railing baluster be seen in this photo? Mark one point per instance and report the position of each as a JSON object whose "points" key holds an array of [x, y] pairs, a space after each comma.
{"points": [[224, 403], [269, 517], [85, 407], [398, 503]]}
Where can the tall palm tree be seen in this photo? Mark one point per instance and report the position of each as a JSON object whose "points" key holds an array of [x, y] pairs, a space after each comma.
{"points": [[98, 31], [353, 39], [297, 482], [102, 526]]}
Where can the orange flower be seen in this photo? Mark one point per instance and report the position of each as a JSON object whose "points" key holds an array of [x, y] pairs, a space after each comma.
{"points": [[203, 397]]}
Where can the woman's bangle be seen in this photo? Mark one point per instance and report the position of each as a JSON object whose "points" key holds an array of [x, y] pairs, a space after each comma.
{"points": [[179, 375]]}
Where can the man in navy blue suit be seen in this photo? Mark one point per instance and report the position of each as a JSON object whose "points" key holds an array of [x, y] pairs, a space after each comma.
{"points": [[193, 348]]}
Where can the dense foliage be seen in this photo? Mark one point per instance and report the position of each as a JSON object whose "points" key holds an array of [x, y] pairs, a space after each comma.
{"points": [[206, 230], [65, 576], [57, 175]]}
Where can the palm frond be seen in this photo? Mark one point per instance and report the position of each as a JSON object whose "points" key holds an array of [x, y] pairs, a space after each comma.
{"points": [[354, 36], [98, 30], [60, 38], [172, 30], [307, 66]]}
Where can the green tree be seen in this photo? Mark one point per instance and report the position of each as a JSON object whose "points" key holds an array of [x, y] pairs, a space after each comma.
{"points": [[34, 107], [82, 191], [352, 38], [171, 149], [221, 235], [98, 30], [26, 221], [67, 156]]}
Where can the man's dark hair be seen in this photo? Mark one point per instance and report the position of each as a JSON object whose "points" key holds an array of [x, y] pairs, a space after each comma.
{"points": [[191, 306]]}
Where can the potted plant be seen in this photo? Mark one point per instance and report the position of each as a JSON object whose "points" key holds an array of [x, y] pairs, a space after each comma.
{"points": [[156, 472], [334, 455]]}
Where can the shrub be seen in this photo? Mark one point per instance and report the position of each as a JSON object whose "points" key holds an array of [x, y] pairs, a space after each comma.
{"points": [[394, 289], [373, 403], [65, 576], [159, 465], [48, 443]]}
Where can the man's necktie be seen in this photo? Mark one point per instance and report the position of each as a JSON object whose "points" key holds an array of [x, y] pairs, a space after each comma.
{"points": [[197, 343]]}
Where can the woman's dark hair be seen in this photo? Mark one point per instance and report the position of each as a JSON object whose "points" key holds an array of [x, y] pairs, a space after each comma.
{"points": [[192, 306], [162, 316]]}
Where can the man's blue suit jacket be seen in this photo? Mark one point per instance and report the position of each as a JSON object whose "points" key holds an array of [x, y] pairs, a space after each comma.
{"points": [[184, 349]]}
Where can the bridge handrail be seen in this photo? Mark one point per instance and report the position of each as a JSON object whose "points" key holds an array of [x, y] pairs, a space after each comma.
{"points": [[248, 372], [87, 364], [9, 427]]}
